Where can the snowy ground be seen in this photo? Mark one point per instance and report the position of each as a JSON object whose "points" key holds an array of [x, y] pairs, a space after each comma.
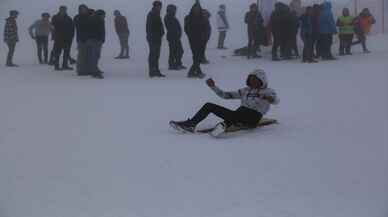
{"points": [[74, 147]]}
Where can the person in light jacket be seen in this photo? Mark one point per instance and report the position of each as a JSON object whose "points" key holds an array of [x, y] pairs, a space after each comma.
{"points": [[222, 25], [40, 32]]}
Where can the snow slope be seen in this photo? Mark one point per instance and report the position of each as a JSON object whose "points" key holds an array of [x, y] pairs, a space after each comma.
{"points": [[90, 148]]}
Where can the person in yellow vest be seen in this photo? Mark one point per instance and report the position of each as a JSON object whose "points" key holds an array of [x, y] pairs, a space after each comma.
{"points": [[363, 25], [345, 24]]}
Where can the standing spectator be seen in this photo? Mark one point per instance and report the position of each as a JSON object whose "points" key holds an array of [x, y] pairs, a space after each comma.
{"points": [[63, 37], [82, 22], [346, 32], [254, 22], [122, 30], [40, 32], [363, 25], [306, 33], [174, 35], [223, 26], [196, 31], [327, 28], [281, 27], [95, 41], [208, 32], [11, 36], [155, 32]]}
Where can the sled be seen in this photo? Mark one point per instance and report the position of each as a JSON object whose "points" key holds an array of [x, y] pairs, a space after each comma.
{"points": [[264, 122]]}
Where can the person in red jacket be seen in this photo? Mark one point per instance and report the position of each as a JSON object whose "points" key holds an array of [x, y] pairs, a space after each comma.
{"points": [[122, 30], [363, 25]]}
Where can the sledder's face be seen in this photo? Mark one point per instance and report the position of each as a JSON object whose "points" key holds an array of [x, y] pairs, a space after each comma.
{"points": [[254, 82]]}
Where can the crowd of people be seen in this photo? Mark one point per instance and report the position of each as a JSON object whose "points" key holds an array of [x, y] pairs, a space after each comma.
{"points": [[315, 25]]}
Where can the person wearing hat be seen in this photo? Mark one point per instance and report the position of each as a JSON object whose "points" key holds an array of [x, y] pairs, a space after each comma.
{"points": [[40, 32], [256, 100], [174, 35], [155, 33], [122, 30], [11, 36], [63, 38], [223, 26]]}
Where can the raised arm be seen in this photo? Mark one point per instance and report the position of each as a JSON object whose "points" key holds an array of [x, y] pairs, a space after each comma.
{"points": [[221, 93]]}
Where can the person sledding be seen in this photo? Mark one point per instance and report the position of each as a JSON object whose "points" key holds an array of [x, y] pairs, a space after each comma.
{"points": [[256, 100]]}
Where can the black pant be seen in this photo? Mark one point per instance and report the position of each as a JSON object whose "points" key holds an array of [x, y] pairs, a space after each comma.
{"points": [[154, 55], [42, 45], [361, 40], [11, 52], [60, 46], [124, 45], [283, 44], [253, 44], [198, 50], [242, 115], [176, 53], [221, 39], [345, 46], [308, 48], [325, 43]]}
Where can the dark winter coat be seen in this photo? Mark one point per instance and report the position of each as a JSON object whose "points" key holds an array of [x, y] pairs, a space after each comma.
{"points": [[11, 31], [121, 25], [96, 29], [81, 22], [327, 23], [208, 29], [255, 23], [294, 20], [196, 29], [282, 25], [306, 23], [174, 29], [315, 24], [63, 29], [154, 26]]}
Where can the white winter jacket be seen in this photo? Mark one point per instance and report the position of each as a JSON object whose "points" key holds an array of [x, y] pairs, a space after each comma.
{"points": [[222, 21], [252, 98]]}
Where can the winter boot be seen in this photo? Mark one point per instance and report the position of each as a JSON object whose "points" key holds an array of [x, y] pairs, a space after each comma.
{"points": [[183, 126]]}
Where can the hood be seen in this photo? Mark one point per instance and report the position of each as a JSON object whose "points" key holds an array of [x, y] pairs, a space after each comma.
{"points": [[196, 5], [260, 74], [326, 6]]}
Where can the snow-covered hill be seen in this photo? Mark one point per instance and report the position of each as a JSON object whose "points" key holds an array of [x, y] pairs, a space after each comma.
{"points": [[102, 148]]}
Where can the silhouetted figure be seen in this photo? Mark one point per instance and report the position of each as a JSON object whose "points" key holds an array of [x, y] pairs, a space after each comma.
{"points": [[11, 36], [196, 28], [155, 33], [174, 35], [122, 30], [63, 38]]}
